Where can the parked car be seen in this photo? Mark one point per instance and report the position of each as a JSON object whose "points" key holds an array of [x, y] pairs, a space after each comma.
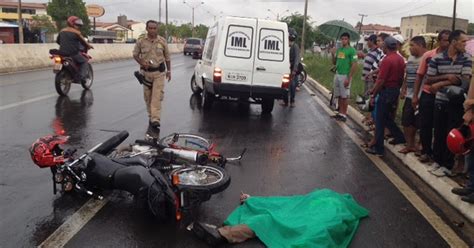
{"points": [[193, 45], [245, 59]]}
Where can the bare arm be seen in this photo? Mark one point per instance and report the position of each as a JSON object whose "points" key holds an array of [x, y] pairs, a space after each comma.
{"points": [[353, 69]]}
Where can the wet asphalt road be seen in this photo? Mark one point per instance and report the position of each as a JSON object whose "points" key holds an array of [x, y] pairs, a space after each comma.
{"points": [[293, 151]]}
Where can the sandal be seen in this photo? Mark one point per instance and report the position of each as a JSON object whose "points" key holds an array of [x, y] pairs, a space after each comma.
{"points": [[407, 150], [371, 128]]}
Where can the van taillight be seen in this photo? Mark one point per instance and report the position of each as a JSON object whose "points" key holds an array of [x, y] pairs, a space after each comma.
{"points": [[285, 81], [217, 75]]}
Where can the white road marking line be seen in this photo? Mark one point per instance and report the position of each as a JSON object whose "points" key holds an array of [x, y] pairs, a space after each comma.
{"points": [[32, 100], [74, 224], [36, 99], [445, 231]]}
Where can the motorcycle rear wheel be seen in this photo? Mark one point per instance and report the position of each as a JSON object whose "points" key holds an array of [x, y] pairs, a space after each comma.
{"points": [[62, 82], [212, 178], [87, 82]]}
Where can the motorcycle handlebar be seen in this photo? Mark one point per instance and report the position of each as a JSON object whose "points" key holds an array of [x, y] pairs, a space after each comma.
{"points": [[106, 147]]}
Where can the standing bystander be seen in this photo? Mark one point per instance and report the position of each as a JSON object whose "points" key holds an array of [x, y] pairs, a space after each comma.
{"points": [[424, 102], [452, 67], [409, 119], [387, 87], [345, 60]]}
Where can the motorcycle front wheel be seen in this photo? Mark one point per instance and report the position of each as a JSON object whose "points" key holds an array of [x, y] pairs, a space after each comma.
{"points": [[62, 82], [87, 82], [203, 177], [302, 77]]}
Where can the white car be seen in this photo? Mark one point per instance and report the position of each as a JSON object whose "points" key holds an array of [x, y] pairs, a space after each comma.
{"points": [[245, 59]]}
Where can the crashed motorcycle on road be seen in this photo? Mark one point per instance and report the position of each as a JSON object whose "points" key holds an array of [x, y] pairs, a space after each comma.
{"points": [[166, 189]]}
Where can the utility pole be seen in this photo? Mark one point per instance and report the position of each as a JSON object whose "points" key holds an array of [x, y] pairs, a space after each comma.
{"points": [[454, 16], [304, 28], [20, 24], [360, 26], [193, 7], [159, 12], [166, 31], [361, 21]]}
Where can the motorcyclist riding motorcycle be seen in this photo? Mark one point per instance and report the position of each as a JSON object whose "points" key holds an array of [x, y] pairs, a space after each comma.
{"points": [[72, 43]]}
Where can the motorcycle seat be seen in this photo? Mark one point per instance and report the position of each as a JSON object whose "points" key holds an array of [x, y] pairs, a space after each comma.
{"points": [[57, 52], [137, 160]]}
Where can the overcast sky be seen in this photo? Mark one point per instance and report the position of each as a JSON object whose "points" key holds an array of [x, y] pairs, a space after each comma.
{"points": [[381, 12]]}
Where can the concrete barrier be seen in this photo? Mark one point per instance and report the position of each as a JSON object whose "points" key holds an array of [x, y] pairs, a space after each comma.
{"points": [[22, 57]]}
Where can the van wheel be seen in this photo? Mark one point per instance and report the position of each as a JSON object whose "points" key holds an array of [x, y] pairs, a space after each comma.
{"points": [[194, 87], [207, 99], [267, 105]]}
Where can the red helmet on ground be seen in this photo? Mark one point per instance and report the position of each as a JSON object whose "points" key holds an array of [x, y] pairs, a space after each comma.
{"points": [[74, 20], [460, 140], [46, 152]]}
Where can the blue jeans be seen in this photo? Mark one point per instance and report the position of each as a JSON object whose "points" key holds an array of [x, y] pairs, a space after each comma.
{"points": [[469, 159], [386, 105]]}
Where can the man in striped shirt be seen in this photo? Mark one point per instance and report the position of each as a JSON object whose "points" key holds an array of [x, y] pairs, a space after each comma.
{"points": [[452, 67], [423, 99], [409, 120], [371, 61]]}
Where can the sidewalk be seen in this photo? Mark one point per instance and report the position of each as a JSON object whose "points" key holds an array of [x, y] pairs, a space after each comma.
{"points": [[442, 185]]}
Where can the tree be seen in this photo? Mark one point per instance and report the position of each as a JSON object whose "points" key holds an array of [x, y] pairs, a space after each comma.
{"points": [[42, 23], [60, 10], [470, 29], [295, 21], [201, 31]]}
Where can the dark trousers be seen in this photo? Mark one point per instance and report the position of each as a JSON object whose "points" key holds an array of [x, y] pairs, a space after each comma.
{"points": [[426, 108], [386, 106], [292, 89], [81, 62], [470, 163], [447, 115]]}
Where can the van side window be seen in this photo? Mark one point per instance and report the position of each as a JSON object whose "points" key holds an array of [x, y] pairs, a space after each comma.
{"points": [[239, 42], [210, 42], [271, 45]]}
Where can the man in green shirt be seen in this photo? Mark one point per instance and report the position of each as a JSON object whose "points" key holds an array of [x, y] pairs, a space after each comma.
{"points": [[345, 60]]}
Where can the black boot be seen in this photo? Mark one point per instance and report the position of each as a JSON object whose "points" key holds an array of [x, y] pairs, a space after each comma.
{"points": [[462, 191], [208, 233], [468, 198]]}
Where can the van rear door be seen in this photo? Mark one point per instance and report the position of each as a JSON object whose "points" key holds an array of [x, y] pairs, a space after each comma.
{"points": [[239, 51], [271, 54]]}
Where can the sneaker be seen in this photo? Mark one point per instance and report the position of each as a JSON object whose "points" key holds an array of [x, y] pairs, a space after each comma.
{"points": [[373, 152], [468, 198], [441, 172], [425, 158], [433, 167], [292, 104], [462, 191], [208, 233]]}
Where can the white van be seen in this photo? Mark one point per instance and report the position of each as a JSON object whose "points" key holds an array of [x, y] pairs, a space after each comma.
{"points": [[244, 58]]}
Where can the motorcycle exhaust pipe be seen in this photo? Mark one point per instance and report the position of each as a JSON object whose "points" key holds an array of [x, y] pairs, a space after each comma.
{"points": [[190, 156]]}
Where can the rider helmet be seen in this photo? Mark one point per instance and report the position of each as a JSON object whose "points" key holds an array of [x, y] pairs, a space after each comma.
{"points": [[292, 34], [460, 140], [74, 20], [46, 151]]}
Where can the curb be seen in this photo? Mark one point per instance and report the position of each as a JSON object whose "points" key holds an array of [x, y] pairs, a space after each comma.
{"points": [[442, 185]]}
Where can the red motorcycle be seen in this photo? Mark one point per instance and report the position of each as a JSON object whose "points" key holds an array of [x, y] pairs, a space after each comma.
{"points": [[65, 69]]}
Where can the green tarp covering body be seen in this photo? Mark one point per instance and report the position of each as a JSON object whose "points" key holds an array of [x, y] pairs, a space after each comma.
{"points": [[322, 218]]}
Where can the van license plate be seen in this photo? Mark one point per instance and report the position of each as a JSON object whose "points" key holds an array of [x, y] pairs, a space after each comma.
{"points": [[234, 76]]}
